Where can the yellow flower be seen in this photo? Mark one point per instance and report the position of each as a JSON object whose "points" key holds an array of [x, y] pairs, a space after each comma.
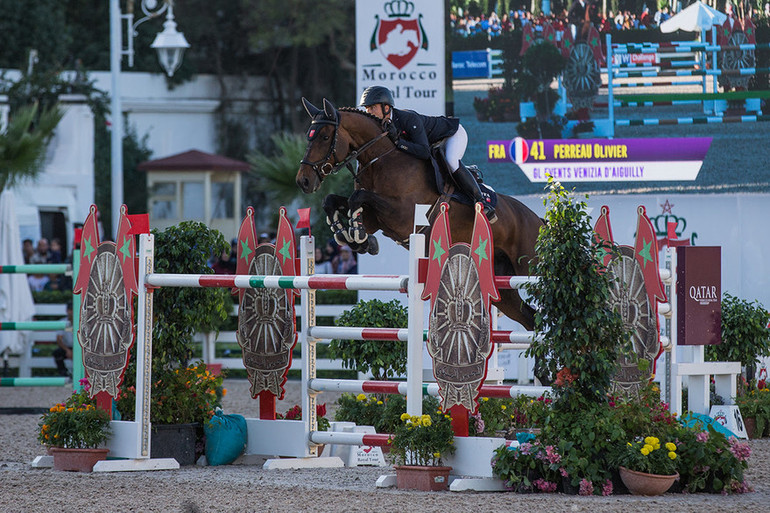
{"points": [[361, 397], [436, 454], [645, 450], [379, 402], [405, 416], [651, 440], [672, 455], [670, 446], [649, 448], [485, 399], [502, 407]]}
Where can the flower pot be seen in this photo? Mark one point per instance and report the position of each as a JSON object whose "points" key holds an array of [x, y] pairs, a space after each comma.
{"points": [[641, 483], [77, 460], [750, 423], [174, 441], [426, 479]]}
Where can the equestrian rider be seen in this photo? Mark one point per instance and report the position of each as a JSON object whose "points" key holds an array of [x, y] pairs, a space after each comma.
{"points": [[414, 133]]}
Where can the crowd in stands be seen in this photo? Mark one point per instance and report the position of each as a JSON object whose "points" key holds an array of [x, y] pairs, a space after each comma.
{"points": [[464, 24], [46, 253]]}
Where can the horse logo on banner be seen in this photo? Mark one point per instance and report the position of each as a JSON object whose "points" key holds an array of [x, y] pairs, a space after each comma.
{"points": [[635, 294], [107, 282], [399, 37], [266, 321], [460, 285]]}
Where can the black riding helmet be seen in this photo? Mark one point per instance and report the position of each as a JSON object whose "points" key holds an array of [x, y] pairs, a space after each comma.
{"points": [[373, 95]]}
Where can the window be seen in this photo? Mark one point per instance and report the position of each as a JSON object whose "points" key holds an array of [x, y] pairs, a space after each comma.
{"points": [[192, 200], [164, 200], [222, 200]]}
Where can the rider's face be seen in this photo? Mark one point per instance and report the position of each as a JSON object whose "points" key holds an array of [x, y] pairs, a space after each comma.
{"points": [[376, 110]]}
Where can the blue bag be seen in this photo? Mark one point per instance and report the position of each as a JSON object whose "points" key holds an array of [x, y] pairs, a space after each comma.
{"points": [[226, 437]]}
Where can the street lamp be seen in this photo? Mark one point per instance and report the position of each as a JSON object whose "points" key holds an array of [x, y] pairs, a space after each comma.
{"points": [[170, 45]]}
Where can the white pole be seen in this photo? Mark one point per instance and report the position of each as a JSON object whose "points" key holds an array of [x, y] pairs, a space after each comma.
{"points": [[307, 296], [610, 96], [144, 345], [416, 318], [116, 48]]}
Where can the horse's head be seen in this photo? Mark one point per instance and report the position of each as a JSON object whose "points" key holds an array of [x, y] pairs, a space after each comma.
{"points": [[325, 146]]}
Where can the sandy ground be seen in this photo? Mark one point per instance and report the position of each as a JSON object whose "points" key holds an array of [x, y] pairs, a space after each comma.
{"points": [[250, 488]]}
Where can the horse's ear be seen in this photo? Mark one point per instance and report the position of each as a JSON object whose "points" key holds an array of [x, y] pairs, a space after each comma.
{"points": [[311, 109], [329, 109]]}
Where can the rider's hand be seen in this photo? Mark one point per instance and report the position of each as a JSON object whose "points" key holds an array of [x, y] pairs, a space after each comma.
{"points": [[389, 127]]}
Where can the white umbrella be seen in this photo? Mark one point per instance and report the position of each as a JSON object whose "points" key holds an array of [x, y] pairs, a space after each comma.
{"points": [[16, 304], [695, 18]]}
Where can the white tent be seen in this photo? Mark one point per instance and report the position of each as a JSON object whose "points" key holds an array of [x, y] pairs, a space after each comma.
{"points": [[16, 303], [694, 18]]}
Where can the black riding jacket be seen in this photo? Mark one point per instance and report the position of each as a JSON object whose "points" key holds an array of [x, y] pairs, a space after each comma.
{"points": [[416, 132]]}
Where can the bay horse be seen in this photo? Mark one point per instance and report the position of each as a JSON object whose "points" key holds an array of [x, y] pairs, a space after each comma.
{"points": [[388, 185]]}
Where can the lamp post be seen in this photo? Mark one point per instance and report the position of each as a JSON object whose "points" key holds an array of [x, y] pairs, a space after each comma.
{"points": [[170, 45]]}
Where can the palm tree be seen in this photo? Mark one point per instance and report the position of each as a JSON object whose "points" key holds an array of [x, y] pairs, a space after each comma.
{"points": [[24, 142], [275, 180]]}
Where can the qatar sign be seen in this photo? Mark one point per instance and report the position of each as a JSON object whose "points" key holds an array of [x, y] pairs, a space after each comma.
{"points": [[400, 45], [699, 294]]}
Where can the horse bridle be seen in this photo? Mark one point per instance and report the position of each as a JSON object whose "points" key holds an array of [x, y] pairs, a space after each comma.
{"points": [[324, 168]]}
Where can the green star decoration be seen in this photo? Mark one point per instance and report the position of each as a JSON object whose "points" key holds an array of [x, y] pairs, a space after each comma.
{"points": [[124, 249], [645, 252], [284, 251], [438, 250], [245, 251], [88, 249], [481, 251]]}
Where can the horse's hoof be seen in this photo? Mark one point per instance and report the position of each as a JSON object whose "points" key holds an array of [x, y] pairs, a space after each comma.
{"points": [[373, 247]]}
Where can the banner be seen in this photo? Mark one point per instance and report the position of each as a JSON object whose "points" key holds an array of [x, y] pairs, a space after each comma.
{"points": [[603, 160], [400, 45]]}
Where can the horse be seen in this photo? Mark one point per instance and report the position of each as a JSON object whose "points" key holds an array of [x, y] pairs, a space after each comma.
{"points": [[388, 185]]}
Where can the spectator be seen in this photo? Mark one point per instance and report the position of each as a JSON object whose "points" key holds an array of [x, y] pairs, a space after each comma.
{"points": [[38, 282], [64, 343], [322, 264], [225, 264], [345, 262], [55, 253], [42, 254], [28, 249]]}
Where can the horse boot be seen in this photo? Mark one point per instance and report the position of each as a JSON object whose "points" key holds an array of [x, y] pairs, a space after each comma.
{"points": [[340, 233], [468, 184]]}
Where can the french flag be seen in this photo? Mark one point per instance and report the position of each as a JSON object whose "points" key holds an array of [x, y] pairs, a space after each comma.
{"points": [[519, 150]]}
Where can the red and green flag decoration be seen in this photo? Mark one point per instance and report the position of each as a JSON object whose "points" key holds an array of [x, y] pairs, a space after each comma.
{"points": [[527, 38], [549, 34], [438, 252], [595, 42], [285, 246], [483, 254], [89, 242], [247, 245], [566, 43], [603, 235], [749, 29], [646, 253]]}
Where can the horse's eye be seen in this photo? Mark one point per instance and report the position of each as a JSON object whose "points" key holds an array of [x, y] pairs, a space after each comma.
{"points": [[326, 138]]}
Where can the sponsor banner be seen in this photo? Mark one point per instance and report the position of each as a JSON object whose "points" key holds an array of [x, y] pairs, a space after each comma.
{"points": [[624, 59], [603, 160], [400, 45], [473, 64]]}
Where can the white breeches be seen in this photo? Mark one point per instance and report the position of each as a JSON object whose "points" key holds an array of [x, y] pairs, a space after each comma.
{"points": [[455, 148]]}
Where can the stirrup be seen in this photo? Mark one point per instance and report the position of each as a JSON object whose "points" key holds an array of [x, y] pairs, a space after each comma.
{"points": [[489, 211]]}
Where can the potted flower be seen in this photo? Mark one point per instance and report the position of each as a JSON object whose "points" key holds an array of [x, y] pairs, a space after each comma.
{"points": [[295, 413], [648, 467], [74, 430], [418, 444]]}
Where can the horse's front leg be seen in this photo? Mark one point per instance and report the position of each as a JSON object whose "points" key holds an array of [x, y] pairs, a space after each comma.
{"points": [[365, 208], [336, 207]]}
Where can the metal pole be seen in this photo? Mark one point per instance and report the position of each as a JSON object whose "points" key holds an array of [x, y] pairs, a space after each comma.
{"points": [[610, 96], [116, 48]]}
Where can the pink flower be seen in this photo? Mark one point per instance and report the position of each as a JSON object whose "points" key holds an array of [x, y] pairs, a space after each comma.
{"points": [[703, 436], [544, 486], [740, 450], [551, 455], [563, 472], [607, 488], [586, 487]]}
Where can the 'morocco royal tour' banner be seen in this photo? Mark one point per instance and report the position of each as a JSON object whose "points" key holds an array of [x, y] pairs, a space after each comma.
{"points": [[400, 45]]}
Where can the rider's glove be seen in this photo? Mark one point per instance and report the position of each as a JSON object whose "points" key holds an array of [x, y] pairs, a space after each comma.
{"points": [[392, 130]]}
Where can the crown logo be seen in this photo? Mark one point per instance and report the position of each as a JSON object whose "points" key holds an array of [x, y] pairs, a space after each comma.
{"points": [[399, 9]]}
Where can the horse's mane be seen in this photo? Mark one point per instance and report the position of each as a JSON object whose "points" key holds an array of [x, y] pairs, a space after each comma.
{"points": [[361, 112]]}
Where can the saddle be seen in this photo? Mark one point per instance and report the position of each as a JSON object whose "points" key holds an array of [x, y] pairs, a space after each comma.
{"points": [[445, 184]]}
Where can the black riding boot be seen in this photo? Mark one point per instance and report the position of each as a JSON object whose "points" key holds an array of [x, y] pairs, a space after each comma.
{"points": [[468, 184]]}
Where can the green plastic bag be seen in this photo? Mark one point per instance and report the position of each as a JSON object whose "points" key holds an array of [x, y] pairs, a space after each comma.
{"points": [[226, 437]]}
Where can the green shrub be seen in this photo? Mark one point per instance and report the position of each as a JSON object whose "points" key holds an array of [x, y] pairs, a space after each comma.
{"points": [[745, 336]]}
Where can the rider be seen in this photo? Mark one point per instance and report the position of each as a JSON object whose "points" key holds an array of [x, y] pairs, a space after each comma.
{"points": [[414, 133]]}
